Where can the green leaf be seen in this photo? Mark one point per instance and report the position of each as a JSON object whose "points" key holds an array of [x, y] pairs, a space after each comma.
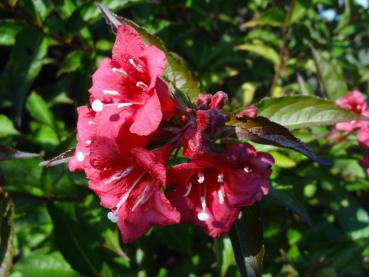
{"points": [[44, 265], [71, 62], [8, 31], [7, 127], [261, 130], [39, 110], [247, 241], [284, 196], [6, 234], [260, 49], [304, 87], [272, 17], [76, 243], [303, 111], [330, 76], [25, 63], [176, 71]]}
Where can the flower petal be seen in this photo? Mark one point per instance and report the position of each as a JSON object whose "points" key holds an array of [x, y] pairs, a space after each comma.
{"points": [[155, 60], [147, 117]]}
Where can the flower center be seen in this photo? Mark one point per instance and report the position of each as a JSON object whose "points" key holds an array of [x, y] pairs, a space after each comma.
{"points": [[113, 216]]}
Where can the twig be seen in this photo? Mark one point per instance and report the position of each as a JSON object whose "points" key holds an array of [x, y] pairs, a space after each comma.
{"points": [[283, 53]]}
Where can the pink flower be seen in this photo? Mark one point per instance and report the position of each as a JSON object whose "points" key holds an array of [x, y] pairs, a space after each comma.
{"points": [[130, 185], [130, 81], [363, 134], [209, 191], [355, 102], [250, 111]]}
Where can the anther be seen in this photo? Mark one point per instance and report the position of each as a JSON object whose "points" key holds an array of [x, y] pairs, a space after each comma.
{"points": [[88, 142], [80, 156], [201, 177], [136, 66], [113, 217], [220, 178], [97, 105], [141, 85], [119, 71], [110, 92], [247, 169]]}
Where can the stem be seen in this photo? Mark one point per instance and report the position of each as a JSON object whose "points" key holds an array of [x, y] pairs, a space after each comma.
{"points": [[283, 53]]}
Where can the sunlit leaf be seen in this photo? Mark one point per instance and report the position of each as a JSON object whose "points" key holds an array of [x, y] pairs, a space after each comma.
{"points": [[330, 76], [303, 111], [261, 50], [7, 127]]}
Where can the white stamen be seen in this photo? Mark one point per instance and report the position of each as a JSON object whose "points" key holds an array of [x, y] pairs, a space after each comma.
{"points": [[122, 105], [97, 105], [202, 216], [188, 190], [119, 71], [91, 122], [126, 195], [110, 92], [88, 142], [141, 199], [201, 177], [247, 169], [119, 175], [136, 66], [220, 178], [141, 85], [80, 156], [221, 196], [113, 217]]}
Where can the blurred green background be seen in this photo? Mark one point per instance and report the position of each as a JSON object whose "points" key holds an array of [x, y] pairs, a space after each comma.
{"points": [[316, 219]]}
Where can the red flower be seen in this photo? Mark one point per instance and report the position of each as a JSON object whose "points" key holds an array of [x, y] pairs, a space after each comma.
{"points": [[210, 191], [355, 102], [129, 185], [130, 80], [365, 163]]}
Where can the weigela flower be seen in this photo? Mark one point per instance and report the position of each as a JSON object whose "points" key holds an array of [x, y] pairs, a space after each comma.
{"points": [[355, 102], [365, 163], [131, 80], [130, 185], [209, 191]]}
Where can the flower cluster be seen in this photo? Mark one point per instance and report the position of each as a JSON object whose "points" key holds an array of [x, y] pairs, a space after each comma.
{"points": [[128, 134], [355, 102]]}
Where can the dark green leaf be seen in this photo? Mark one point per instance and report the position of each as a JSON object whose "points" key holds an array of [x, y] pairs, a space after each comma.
{"points": [[176, 71], [303, 111], [261, 130], [26, 60], [330, 76], [285, 196], [76, 243], [6, 234], [247, 241]]}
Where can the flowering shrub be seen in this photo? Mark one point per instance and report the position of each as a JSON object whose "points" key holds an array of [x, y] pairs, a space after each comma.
{"points": [[244, 152]]}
